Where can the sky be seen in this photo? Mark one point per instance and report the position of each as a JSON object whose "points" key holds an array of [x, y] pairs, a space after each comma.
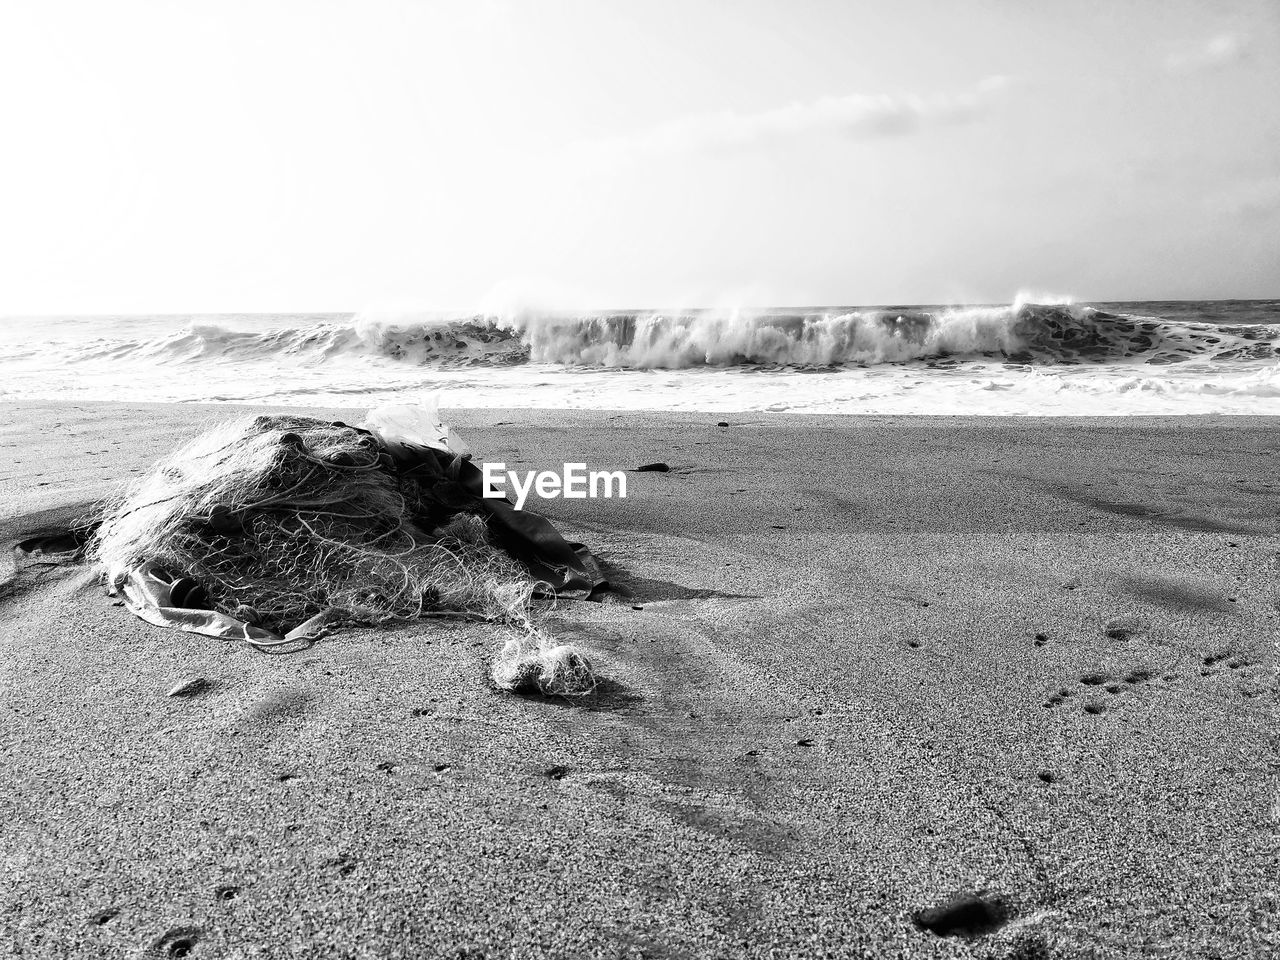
{"points": [[175, 156]]}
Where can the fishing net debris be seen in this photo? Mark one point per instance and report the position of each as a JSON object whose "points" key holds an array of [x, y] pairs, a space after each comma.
{"points": [[277, 529]]}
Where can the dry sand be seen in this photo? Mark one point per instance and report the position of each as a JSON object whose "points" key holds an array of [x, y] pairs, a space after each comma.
{"points": [[832, 711]]}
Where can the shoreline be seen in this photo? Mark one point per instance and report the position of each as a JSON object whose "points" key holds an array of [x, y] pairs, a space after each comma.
{"points": [[872, 669]]}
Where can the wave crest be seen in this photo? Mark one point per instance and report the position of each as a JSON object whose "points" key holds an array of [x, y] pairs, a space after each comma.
{"points": [[1024, 333]]}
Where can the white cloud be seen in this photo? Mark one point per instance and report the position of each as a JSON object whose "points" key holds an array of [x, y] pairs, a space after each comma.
{"points": [[1221, 51], [856, 117]]}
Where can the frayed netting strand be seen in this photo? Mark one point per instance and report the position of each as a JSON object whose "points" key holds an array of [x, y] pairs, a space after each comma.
{"points": [[281, 519]]}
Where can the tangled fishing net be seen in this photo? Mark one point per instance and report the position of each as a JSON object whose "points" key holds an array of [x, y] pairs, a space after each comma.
{"points": [[280, 519]]}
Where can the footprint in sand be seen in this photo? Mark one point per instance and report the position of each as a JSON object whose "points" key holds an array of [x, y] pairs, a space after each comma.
{"points": [[1232, 664], [1057, 699], [1234, 660], [1124, 627], [1218, 661], [175, 942], [342, 864], [1115, 686]]}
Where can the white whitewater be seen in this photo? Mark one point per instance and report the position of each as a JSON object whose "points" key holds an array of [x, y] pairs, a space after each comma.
{"points": [[1019, 359]]}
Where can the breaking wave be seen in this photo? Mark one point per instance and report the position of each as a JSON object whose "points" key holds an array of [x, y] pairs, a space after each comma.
{"points": [[1020, 333]]}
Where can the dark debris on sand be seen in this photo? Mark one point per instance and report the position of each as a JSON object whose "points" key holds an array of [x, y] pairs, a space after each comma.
{"points": [[967, 915]]}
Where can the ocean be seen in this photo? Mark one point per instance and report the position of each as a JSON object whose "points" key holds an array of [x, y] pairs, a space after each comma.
{"points": [[1033, 359]]}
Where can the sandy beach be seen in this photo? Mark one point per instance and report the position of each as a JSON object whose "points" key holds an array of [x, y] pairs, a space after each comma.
{"points": [[863, 665]]}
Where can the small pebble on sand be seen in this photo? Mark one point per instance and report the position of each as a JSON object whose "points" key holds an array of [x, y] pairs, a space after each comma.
{"points": [[188, 687]]}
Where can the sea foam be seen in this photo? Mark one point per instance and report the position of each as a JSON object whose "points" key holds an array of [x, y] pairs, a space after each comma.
{"points": [[1027, 333], [1019, 358]]}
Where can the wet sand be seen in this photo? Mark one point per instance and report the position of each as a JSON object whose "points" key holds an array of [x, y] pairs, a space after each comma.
{"points": [[877, 662]]}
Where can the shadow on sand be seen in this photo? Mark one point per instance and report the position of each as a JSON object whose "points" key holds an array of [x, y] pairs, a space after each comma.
{"points": [[626, 584], [609, 696], [1171, 516]]}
